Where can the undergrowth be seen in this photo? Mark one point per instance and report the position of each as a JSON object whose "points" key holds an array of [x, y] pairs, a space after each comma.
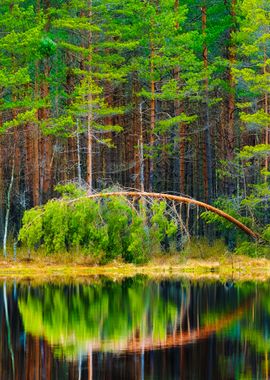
{"points": [[106, 229]]}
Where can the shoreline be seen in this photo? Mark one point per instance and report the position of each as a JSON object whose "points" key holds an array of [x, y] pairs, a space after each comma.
{"points": [[236, 268]]}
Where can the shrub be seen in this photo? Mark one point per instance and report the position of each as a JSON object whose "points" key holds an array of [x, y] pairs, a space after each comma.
{"points": [[106, 229]]}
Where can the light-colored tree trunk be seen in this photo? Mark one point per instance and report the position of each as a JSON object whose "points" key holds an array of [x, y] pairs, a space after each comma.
{"points": [[8, 326], [8, 210], [90, 362], [2, 185]]}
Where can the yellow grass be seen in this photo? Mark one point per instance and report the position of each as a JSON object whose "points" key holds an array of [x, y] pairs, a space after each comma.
{"points": [[198, 260]]}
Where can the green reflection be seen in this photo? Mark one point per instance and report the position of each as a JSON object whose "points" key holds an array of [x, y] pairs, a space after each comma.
{"points": [[141, 314], [105, 315]]}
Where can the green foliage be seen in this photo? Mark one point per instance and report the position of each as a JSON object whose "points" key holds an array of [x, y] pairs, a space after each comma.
{"points": [[232, 207], [31, 233], [105, 229], [47, 47], [257, 151], [161, 225], [69, 190], [266, 233], [55, 226], [105, 312], [253, 205]]}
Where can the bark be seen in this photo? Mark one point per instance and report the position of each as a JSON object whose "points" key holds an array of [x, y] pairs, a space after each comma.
{"points": [[141, 150], [266, 110], [90, 113], [231, 100], [152, 117], [152, 103], [136, 129], [79, 169], [90, 145], [48, 150], [208, 164], [179, 108], [35, 147]]}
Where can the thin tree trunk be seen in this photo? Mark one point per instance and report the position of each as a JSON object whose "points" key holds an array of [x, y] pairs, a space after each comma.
{"points": [[79, 168], [47, 141], [182, 128], [35, 143], [90, 145], [231, 102], [8, 327], [8, 210], [152, 117], [208, 166], [90, 362], [48, 152], [90, 113], [141, 150], [2, 186], [266, 110]]}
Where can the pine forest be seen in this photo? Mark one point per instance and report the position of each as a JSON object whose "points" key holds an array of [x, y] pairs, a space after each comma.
{"points": [[156, 96]]}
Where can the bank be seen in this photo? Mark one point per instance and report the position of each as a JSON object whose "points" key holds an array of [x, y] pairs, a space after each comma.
{"points": [[226, 267]]}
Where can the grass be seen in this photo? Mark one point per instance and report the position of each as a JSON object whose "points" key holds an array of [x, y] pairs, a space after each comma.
{"points": [[198, 260]]}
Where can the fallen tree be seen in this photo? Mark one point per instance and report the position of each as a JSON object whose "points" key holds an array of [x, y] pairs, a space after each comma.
{"points": [[180, 199]]}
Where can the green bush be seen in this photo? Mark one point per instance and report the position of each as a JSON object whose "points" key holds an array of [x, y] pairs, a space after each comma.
{"points": [[105, 229]]}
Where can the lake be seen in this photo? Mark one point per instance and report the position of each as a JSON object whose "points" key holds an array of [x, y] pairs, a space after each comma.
{"points": [[136, 328]]}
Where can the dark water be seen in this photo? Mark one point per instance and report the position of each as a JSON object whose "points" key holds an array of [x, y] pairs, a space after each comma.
{"points": [[135, 329]]}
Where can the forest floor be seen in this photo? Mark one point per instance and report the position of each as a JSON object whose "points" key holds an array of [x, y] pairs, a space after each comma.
{"points": [[225, 267]]}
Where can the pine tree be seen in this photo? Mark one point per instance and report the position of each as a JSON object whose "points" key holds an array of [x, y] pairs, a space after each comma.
{"points": [[87, 109], [252, 72]]}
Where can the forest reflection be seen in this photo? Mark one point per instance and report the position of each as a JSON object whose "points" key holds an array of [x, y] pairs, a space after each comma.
{"points": [[135, 329]]}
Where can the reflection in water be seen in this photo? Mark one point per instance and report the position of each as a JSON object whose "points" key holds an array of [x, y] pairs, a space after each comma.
{"points": [[134, 329]]}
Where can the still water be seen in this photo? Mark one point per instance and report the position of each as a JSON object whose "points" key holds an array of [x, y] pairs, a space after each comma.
{"points": [[134, 329]]}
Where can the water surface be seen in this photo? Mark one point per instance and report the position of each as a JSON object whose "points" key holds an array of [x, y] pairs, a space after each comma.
{"points": [[134, 329]]}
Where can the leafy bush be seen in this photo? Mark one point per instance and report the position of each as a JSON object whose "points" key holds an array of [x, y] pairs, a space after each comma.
{"points": [[105, 229], [230, 232], [31, 233]]}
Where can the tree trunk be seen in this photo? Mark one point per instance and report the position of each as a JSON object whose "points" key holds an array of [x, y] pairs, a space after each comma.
{"points": [[179, 108], [48, 151], [266, 110], [231, 100], [208, 164], [90, 112], [180, 199], [2, 183], [152, 117], [141, 150], [8, 209]]}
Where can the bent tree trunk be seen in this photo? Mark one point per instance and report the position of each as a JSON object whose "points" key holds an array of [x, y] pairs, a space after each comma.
{"points": [[180, 199]]}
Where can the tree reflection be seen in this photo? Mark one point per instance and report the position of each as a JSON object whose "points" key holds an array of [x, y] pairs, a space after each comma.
{"points": [[135, 329]]}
